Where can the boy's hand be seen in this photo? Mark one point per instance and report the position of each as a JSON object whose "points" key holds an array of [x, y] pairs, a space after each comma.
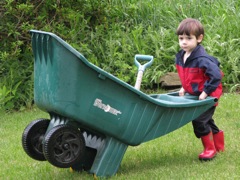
{"points": [[181, 92], [203, 95]]}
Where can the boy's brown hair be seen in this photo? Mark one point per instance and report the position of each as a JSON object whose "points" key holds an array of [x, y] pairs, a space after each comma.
{"points": [[189, 27]]}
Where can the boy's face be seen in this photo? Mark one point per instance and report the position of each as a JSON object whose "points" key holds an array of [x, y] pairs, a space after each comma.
{"points": [[188, 43]]}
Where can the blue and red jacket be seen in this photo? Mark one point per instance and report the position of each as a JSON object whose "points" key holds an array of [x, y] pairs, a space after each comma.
{"points": [[200, 73]]}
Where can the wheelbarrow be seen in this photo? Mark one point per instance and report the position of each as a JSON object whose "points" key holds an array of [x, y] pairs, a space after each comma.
{"points": [[93, 115]]}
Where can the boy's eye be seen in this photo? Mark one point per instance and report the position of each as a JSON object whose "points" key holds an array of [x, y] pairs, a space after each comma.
{"points": [[189, 37]]}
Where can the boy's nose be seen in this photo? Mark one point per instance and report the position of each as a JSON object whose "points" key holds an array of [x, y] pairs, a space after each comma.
{"points": [[184, 41]]}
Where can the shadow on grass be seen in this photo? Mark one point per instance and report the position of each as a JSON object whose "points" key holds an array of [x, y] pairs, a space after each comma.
{"points": [[172, 160]]}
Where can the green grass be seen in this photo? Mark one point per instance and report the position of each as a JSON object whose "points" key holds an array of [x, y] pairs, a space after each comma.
{"points": [[174, 156]]}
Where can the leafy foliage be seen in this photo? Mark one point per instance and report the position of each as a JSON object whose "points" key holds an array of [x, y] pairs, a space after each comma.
{"points": [[109, 34]]}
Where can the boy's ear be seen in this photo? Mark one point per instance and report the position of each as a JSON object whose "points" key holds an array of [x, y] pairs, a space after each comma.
{"points": [[200, 38]]}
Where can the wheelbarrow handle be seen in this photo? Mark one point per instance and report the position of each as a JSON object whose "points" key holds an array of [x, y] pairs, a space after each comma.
{"points": [[139, 57]]}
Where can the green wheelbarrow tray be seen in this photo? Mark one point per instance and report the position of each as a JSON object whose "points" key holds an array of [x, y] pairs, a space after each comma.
{"points": [[110, 113]]}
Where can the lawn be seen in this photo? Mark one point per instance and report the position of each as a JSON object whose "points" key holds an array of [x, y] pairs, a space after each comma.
{"points": [[173, 156]]}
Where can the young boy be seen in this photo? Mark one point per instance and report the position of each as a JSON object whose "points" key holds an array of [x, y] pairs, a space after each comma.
{"points": [[200, 75]]}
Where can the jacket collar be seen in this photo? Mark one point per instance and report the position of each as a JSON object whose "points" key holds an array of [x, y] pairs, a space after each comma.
{"points": [[197, 52]]}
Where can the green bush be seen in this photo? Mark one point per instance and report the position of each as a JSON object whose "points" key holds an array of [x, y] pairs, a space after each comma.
{"points": [[109, 34]]}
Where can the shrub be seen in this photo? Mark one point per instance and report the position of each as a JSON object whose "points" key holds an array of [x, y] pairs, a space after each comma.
{"points": [[109, 34]]}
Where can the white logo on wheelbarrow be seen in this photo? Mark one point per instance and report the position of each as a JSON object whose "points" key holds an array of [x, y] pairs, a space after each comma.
{"points": [[106, 107]]}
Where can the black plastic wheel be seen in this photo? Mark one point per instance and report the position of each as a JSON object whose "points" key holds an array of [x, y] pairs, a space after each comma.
{"points": [[64, 146], [32, 138]]}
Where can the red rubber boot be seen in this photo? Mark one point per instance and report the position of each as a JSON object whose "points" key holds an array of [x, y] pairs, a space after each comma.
{"points": [[209, 151], [218, 139]]}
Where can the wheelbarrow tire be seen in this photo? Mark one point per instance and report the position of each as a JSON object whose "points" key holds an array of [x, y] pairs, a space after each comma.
{"points": [[64, 146], [32, 138]]}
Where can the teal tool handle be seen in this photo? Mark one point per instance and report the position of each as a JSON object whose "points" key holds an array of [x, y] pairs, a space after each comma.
{"points": [[139, 57], [141, 67]]}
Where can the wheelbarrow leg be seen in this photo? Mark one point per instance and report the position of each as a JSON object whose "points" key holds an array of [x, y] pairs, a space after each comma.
{"points": [[108, 157]]}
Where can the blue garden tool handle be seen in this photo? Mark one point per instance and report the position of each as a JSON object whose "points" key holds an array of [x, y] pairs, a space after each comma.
{"points": [[141, 67], [139, 57]]}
